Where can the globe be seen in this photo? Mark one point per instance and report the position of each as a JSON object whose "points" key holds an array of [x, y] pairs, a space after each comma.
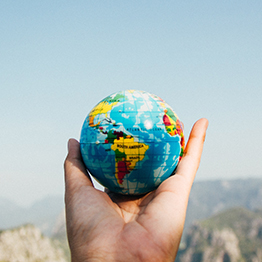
{"points": [[131, 142]]}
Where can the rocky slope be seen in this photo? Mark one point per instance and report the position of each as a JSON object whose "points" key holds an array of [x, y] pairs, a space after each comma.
{"points": [[232, 236], [27, 244]]}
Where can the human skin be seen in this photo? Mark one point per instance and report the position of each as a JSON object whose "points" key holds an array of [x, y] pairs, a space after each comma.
{"points": [[105, 226]]}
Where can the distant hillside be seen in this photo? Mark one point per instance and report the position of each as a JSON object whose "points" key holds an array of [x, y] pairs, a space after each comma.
{"points": [[232, 236], [208, 198], [27, 244], [59, 233], [42, 214]]}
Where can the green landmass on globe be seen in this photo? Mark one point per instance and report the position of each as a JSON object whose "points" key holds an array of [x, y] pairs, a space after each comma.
{"points": [[131, 141]]}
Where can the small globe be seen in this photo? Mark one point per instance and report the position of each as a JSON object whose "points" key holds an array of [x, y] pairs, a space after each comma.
{"points": [[131, 142]]}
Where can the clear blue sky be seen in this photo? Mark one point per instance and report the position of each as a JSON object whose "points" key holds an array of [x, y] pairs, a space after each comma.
{"points": [[59, 58]]}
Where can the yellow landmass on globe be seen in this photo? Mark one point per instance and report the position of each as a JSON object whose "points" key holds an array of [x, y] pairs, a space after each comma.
{"points": [[171, 126], [102, 108], [128, 153]]}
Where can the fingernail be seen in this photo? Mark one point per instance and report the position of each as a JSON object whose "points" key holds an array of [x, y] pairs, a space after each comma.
{"points": [[68, 145]]}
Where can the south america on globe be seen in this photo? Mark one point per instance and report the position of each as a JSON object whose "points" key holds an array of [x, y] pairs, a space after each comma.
{"points": [[131, 142]]}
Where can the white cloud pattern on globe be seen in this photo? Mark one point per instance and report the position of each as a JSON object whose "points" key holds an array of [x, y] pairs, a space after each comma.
{"points": [[131, 142]]}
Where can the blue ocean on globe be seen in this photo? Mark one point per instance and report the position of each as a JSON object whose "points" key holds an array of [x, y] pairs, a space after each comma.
{"points": [[131, 141]]}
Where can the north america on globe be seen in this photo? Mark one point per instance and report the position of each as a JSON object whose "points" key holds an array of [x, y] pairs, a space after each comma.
{"points": [[131, 141]]}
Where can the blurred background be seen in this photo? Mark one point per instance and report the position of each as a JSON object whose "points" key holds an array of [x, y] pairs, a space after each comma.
{"points": [[60, 58]]}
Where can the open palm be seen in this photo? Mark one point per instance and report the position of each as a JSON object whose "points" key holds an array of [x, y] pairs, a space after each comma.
{"points": [[104, 226]]}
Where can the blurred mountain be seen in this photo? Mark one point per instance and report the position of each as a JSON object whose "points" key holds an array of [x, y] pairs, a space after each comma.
{"points": [[27, 244], [8, 206], [59, 234], [208, 198], [234, 235], [42, 214]]}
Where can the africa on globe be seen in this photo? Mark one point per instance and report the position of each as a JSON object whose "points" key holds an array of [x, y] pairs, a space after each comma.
{"points": [[131, 141]]}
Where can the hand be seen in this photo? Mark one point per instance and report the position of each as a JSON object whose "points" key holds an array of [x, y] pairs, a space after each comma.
{"points": [[111, 227]]}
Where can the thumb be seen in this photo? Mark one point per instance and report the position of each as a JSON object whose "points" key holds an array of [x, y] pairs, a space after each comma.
{"points": [[74, 168]]}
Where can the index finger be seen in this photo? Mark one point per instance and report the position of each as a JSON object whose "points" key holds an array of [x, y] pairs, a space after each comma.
{"points": [[190, 161]]}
